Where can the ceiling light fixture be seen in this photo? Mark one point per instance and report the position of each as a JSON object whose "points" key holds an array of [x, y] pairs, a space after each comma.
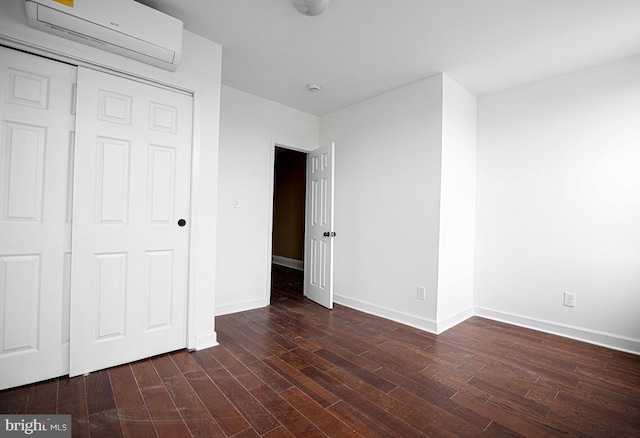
{"points": [[310, 7]]}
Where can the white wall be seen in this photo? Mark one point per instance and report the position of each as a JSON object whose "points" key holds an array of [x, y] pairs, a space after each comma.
{"points": [[558, 205], [249, 127], [387, 199], [199, 72], [457, 205]]}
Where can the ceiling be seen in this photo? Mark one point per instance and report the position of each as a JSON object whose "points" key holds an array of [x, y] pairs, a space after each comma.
{"points": [[362, 48]]}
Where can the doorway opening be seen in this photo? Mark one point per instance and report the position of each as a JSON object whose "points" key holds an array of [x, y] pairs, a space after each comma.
{"points": [[288, 221]]}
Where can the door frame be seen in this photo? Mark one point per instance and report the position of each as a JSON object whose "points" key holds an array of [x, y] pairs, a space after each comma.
{"points": [[193, 341], [269, 255]]}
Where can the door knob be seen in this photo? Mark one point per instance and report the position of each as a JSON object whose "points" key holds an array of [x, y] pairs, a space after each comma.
{"points": [[329, 234], [182, 222]]}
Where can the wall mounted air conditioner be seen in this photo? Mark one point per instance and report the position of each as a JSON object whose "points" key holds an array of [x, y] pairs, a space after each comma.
{"points": [[124, 27]]}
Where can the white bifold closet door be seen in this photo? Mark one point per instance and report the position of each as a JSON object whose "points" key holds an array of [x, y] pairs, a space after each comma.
{"points": [[97, 278], [36, 143], [131, 217]]}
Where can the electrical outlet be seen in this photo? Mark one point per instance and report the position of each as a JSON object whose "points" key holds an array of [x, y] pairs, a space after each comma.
{"points": [[569, 299], [422, 292]]}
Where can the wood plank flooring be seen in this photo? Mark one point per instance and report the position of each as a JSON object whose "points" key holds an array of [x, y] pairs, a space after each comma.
{"points": [[295, 369]]}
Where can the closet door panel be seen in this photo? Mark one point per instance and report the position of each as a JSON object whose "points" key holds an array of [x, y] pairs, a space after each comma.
{"points": [[36, 138], [130, 221]]}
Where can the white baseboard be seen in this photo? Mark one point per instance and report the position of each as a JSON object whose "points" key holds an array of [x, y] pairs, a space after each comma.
{"points": [[608, 340], [241, 306], [418, 322], [446, 323], [206, 341], [290, 263]]}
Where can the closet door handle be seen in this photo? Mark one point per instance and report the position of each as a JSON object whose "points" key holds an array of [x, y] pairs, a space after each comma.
{"points": [[182, 222]]}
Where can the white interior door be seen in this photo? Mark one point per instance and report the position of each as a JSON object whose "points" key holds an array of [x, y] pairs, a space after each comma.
{"points": [[318, 271], [36, 143], [130, 244]]}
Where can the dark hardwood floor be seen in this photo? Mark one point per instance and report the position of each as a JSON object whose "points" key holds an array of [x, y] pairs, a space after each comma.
{"points": [[297, 369]]}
